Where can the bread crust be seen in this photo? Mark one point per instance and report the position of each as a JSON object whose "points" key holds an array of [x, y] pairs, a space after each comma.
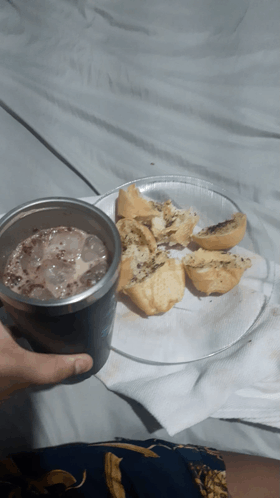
{"points": [[132, 205], [223, 235], [160, 290], [217, 280], [212, 271], [126, 273]]}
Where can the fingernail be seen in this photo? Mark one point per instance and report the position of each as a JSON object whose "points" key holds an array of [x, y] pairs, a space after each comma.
{"points": [[81, 366]]}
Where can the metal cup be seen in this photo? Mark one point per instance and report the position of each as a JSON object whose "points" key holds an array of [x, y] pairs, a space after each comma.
{"points": [[79, 324]]}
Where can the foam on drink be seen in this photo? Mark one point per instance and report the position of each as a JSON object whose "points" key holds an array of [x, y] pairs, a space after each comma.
{"points": [[56, 263]]}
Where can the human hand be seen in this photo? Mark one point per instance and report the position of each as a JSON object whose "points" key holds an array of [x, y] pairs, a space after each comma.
{"points": [[20, 368]]}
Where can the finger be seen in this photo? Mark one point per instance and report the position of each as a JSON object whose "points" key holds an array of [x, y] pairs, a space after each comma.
{"points": [[27, 368], [40, 369]]}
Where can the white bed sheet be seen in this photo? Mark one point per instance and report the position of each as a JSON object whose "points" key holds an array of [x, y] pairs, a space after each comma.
{"points": [[122, 90], [115, 86]]}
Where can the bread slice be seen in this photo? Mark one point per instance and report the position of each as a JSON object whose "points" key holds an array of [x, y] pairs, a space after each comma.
{"points": [[157, 284], [132, 257], [167, 223], [131, 204], [214, 271], [134, 263], [223, 235], [134, 233], [138, 244], [173, 226]]}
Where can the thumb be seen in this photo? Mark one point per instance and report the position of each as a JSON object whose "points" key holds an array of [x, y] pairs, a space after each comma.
{"points": [[54, 368]]}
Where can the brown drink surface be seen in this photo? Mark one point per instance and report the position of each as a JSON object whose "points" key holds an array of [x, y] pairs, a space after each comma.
{"points": [[56, 263]]}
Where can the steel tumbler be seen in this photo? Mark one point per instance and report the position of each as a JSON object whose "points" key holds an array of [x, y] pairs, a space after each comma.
{"points": [[78, 324]]}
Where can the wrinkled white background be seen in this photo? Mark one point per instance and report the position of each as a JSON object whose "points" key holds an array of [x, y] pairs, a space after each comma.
{"points": [[122, 90]]}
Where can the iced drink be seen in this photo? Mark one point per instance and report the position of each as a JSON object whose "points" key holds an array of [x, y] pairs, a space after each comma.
{"points": [[56, 263]]}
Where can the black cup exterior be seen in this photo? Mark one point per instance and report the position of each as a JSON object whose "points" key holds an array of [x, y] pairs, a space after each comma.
{"points": [[86, 331]]}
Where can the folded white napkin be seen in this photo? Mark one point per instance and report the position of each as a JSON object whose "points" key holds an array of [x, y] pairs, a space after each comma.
{"points": [[240, 382]]}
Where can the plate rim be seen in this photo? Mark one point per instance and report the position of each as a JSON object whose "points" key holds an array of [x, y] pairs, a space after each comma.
{"points": [[172, 178]]}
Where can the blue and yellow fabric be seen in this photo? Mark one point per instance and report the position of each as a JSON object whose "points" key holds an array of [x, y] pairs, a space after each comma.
{"points": [[118, 469]]}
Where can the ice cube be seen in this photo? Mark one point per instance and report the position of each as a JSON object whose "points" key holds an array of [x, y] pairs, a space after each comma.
{"points": [[41, 293], [70, 242], [94, 274], [57, 272], [31, 255], [36, 291], [94, 250]]}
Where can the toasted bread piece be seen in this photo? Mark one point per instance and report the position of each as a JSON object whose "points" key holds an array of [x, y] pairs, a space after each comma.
{"points": [[167, 223], [223, 235], [134, 262], [157, 284], [138, 244], [173, 226], [214, 271], [133, 232], [126, 273], [132, 205], [133, 256]]}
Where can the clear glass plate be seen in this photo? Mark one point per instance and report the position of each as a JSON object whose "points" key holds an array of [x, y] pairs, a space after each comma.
{"points": [[199, 326]]}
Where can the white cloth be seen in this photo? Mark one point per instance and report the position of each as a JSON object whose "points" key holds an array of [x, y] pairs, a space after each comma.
{"points": [[242, 382], [124, 92]]}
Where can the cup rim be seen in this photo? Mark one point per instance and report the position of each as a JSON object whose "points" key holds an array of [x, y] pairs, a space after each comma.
{"points": [[73, 303]]}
